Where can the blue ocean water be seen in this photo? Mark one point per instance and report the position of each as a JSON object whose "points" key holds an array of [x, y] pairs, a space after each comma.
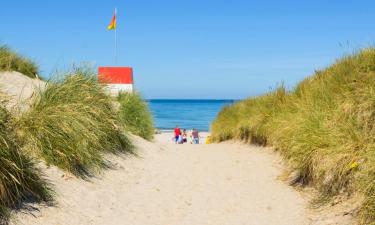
{"points": [[187, 114]]}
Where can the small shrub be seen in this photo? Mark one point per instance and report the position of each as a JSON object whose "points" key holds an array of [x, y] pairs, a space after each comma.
{"points": [[72, 123], [135, 115], [11, 61]]}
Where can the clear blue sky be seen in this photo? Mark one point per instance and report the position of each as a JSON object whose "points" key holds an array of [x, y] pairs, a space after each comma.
{"points": [[192, 49]]}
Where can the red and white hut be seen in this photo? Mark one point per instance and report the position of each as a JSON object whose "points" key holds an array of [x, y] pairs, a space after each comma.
{"points": [[117, 79]]}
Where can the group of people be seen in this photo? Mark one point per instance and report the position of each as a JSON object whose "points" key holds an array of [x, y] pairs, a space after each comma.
{"points": [[182, 137]]}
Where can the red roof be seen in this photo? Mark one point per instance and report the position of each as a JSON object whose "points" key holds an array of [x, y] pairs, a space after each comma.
{"points": [[115, 75]]}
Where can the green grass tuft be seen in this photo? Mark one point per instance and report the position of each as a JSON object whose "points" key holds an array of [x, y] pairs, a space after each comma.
{"points": [[135, 115], [72, 123], [11, 61], [324, 128], [20, 179]]}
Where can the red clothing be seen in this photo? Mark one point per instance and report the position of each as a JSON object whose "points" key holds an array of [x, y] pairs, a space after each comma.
{"points": [[177, 131]]}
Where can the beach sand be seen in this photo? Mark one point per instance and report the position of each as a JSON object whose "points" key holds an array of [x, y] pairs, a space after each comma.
{"points": [[227, 183], [19, 88]]}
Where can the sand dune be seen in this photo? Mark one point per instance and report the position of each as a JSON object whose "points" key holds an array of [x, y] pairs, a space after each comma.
{"points": [[19, 88], [225, 183]]}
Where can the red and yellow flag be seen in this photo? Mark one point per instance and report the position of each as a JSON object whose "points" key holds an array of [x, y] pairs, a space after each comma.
{"points": [[112, 25]]}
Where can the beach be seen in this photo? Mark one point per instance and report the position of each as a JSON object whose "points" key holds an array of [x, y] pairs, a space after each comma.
{"points": [[166, 183], [101, 105], [231, 182]]}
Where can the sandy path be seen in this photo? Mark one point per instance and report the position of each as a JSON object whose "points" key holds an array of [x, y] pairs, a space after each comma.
{"points": [[178, 184]]}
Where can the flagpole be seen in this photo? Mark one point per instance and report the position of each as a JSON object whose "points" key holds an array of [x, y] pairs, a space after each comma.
{"points": [[116, 37]]}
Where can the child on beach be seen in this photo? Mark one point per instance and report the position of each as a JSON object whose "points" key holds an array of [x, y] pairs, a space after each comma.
{"points": [[177, 134], [184, 136]]}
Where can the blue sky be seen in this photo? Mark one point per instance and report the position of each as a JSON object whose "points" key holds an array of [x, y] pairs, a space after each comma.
{"points": [[192, 49]]}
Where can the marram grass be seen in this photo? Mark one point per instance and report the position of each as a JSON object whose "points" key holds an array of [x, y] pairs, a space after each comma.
{"points": [[11, 61], [135, 115], [20, 179], [324, 128], [72, 123]]}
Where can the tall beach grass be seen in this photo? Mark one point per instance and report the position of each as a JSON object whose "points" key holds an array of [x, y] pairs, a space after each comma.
{"points": [[12, 61], [20, 179], [135, 115], [324, 128], [72, 123]]}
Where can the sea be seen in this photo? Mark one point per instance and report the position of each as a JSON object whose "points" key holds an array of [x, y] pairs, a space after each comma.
{"points": [[187, 114]]}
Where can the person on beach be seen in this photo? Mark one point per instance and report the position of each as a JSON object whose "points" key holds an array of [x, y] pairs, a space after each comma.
{"points": [[195, 135], [184, 136], [179, 140], [177, 134]]}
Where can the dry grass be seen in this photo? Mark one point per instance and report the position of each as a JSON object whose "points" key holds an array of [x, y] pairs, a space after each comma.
{"points": [[20, 179], [11, 61], [324, 127], [72, 123], [135, 115]]}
